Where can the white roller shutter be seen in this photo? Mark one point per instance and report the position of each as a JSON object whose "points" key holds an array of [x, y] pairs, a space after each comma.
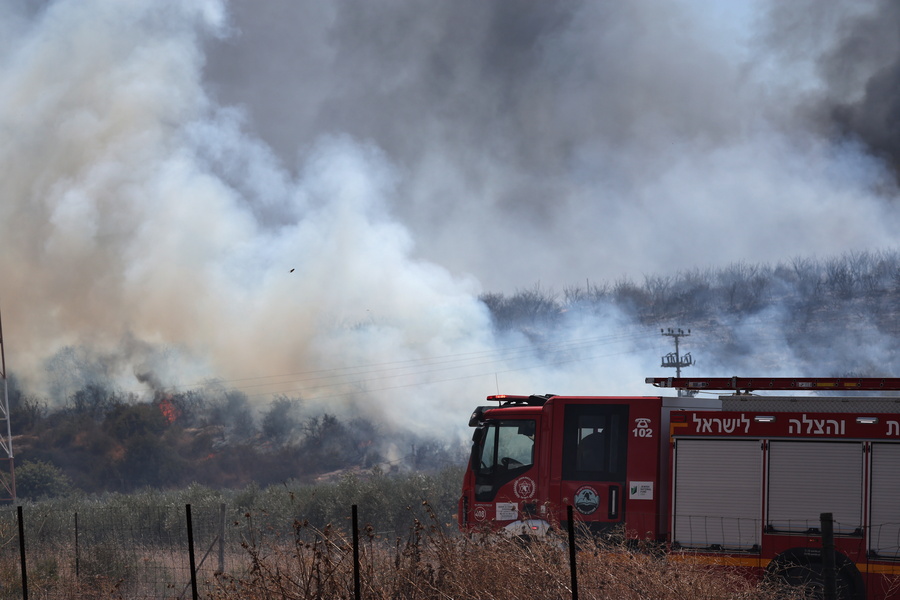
{"points": [[884, 537], [717, 493], [807, 479]]}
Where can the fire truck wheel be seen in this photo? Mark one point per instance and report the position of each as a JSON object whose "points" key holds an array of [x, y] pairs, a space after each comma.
{"points": [[802, 567]]}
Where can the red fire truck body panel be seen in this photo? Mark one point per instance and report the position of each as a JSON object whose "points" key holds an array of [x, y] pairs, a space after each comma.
{"points": [[796, 425], [606, 456], [806, 463], [605, 502], [740, 480]]}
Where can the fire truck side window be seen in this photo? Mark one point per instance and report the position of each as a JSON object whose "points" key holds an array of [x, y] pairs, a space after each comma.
{"points": [[508, 444], [594, 445], [502, 451], [592, 434]]}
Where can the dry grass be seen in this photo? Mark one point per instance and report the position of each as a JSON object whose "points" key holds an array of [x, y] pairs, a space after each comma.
{"points": [[431, 561], [430, 564]]}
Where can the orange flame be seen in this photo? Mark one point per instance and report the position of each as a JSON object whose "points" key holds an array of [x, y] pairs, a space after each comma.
{"points": [[169, 410]]}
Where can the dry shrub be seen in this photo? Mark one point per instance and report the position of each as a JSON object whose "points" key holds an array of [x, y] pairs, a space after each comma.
{"points": [[433, 564], [619, 571]]}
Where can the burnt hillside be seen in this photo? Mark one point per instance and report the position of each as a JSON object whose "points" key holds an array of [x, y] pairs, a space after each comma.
{"points": [[107, 441], [833, 317]]}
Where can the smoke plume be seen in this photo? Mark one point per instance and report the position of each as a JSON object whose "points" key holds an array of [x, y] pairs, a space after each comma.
{"points": [[589, 139], [308, 198]]}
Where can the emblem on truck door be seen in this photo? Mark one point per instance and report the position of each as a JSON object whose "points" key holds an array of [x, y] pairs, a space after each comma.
{"points": [[524, 488], [586, 500]]}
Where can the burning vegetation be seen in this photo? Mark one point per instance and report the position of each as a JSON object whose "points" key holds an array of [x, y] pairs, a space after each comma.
{"points": [[103, 441]]}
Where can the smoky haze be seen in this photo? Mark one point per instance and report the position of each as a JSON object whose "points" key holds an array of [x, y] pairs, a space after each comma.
{"points": [[859, 68], [556, 142], [307, 197]]}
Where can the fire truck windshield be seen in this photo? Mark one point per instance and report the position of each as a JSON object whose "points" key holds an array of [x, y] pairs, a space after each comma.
{"points": [[502, 450]]}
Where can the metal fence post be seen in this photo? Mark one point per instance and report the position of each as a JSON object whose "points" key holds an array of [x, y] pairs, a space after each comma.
{"points": [[22, 553], [572, 562], [190, 532], [77, 550], [355, 522], [829, 577], [222, 538]]}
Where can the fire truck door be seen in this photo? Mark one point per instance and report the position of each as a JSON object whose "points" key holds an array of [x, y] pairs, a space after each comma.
{"points": [[595, 438]]}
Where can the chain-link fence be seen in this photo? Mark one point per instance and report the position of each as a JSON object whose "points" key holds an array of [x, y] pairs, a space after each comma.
{"points": [[128, 552]]}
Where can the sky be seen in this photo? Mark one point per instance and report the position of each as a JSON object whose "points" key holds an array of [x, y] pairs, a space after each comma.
{"points": [[308, 198]]}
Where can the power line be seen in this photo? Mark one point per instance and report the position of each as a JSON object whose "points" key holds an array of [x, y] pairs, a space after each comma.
{"points": [[541, 365], [540, 355]]}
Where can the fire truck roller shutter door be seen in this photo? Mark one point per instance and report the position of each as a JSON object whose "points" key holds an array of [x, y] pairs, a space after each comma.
{"points": [[717, 493], [808, 478], [884, 537]]}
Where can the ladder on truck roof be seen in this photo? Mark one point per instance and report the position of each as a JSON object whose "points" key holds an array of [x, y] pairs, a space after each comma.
{"points": [[778, 383]]}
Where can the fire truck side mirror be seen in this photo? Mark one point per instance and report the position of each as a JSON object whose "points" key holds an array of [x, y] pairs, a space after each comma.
{"points": [[477, 414]]}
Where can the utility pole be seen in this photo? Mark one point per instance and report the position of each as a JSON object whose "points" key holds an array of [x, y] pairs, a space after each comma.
{"points": [[675, 359], [6, 442]]}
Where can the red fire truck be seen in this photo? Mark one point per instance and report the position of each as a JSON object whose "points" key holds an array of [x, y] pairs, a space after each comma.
{"points": [[739, 479]]}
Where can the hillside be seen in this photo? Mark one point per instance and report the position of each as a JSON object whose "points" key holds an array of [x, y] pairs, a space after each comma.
{"points": [[835, 317], [105, 441]]}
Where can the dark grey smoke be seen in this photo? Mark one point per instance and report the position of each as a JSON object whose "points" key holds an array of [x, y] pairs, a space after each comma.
{"points": [[553, 142], [855, 47], [406, 74]]}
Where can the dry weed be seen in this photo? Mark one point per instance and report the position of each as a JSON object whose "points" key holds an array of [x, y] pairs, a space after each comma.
{"points": [[432, 564]]}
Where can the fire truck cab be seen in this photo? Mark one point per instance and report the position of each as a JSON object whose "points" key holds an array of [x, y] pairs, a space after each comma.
{"points": [[739, 479], [534, 455]]}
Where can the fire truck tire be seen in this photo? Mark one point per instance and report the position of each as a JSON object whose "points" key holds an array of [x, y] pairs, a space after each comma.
{"points": [[802, 567]]}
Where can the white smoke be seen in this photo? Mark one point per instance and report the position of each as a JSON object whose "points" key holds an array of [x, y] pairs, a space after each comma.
{"points": [[120, 222], [308, 198], [146, 231]]}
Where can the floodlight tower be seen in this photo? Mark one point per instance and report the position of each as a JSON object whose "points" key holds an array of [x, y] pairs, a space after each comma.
{"points": [[6, 448]]}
